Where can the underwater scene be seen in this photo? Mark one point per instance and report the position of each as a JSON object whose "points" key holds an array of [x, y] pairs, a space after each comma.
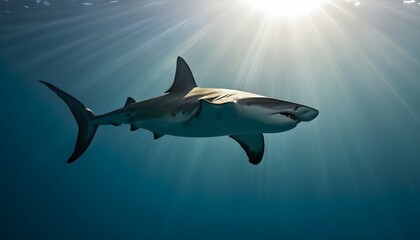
{"points": [[319, 137]]}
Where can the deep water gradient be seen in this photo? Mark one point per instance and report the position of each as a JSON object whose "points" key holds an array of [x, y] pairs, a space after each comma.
{"points": [[352, 173]]}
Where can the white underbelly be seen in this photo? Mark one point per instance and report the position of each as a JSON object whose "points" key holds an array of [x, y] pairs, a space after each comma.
{"points": [[201, 128]]}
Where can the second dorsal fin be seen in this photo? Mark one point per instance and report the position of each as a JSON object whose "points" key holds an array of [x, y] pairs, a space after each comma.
{"points": [[129, 101], [184, 79], [157, 135]]}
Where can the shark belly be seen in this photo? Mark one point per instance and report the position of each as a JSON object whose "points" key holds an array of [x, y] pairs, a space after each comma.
{"points": [[205, 123], [199, 128]]}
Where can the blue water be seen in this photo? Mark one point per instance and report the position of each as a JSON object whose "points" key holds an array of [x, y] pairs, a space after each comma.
{"points": [[352, 173]]}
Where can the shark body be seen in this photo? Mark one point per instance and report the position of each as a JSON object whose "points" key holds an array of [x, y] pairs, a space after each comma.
{"points": [[190, 111]]}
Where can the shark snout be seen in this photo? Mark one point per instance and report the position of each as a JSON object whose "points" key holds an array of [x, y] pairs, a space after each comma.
{"points": [[306, 114]]}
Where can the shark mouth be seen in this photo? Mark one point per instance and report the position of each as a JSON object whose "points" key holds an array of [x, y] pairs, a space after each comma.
{"points": [[291, 116]]}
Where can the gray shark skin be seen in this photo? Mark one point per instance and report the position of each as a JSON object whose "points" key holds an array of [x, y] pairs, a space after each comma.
{"points": [[187, 110]]}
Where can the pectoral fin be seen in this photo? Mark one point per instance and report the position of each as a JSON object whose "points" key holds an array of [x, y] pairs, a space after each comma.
{"points": [[253, 144]]}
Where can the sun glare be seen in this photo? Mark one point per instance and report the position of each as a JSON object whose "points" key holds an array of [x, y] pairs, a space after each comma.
{"points": [[286, 8]]}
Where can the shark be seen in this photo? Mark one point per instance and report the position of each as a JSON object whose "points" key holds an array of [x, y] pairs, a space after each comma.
{"points": [[187, 110]]}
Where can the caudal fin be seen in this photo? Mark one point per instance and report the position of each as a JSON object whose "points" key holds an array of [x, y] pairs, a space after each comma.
{"points": [[83, 115]]}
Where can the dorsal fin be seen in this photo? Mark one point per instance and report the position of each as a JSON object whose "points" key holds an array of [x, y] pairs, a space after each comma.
{"points": [[184, 79], [129, 101]]}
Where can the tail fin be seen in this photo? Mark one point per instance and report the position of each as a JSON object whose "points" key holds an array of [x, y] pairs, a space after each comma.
{"points": [[83, 115]]}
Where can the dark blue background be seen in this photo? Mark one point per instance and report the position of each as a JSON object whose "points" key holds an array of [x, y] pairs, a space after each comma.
{"points": [[352, 173]]}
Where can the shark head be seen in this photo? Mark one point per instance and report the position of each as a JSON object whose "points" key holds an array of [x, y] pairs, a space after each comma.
{"points": [[276, 115]]}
